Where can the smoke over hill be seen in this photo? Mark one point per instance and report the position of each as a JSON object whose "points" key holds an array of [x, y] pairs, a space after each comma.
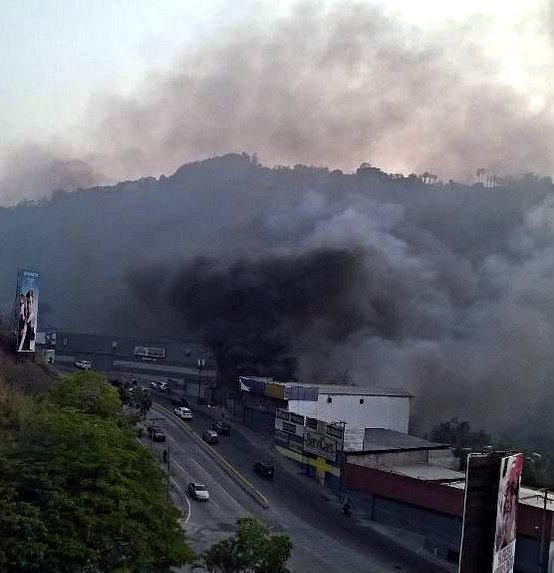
{"points": [[446, 290], [322, 85]]}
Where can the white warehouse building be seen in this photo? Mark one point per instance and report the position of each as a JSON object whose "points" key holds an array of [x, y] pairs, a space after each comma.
{"points": [[358, 407]]}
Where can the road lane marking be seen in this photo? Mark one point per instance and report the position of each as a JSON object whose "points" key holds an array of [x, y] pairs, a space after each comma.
{"points": [[178, 487], [187, 473], [219, 487], [234, 472]]}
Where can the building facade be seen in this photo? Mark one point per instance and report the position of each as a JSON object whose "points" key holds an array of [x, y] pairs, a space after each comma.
{"points": [[358, 406], [188, 368]]}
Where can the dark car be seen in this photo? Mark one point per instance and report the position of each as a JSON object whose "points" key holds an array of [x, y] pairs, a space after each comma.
{"points": [[178, 402], [156, 433], [210, 437], [265, 470], [221, 428]]}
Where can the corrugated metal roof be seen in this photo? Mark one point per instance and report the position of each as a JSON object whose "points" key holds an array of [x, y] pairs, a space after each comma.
{"points": [[181, 352], [427, 472], [351, 390], [381, 440]]}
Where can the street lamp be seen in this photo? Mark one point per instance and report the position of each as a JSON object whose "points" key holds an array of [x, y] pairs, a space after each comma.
{"points": [[200, 363]]}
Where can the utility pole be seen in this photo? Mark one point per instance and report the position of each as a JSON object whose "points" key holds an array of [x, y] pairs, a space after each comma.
{"points": [[543, 529], [200, 363]]}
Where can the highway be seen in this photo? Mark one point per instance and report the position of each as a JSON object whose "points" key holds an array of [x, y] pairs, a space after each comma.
{"points": [[324, 540]]}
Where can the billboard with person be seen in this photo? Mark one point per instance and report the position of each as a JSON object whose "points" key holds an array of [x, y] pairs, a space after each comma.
{"points": [[506, 514], [489, 526], [26, 309]]}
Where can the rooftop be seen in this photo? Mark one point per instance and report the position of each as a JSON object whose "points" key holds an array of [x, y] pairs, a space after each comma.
{"points": [[428, 472], [351, 390], [381, 440], [527, 495], [175, 350]]}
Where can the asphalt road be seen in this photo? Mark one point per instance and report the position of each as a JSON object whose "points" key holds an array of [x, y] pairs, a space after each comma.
{"points": [[324, 540]]}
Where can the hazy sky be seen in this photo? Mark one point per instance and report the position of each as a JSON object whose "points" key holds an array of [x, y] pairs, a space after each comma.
{"points": [[93, 91], [57, 54]]}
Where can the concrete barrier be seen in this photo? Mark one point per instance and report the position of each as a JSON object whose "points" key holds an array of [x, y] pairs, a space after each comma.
{"points": [[229, 469]]}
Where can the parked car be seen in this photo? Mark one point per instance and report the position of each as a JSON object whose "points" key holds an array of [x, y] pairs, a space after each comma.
{"points": [[175, 401], [264, 469], [222, 428], [210, 437], [183, 412], [156, 433], [198, 491], [83, 364]]}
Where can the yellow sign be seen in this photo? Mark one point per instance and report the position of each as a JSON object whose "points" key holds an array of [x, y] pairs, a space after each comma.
{"points": [[274, 390]]}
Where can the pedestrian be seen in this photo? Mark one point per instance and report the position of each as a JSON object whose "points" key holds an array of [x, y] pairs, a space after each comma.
{"points": [[346, 509], [165, 457]]}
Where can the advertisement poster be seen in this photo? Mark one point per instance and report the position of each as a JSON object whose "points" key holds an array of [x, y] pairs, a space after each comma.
{"points": [[27, 310], [506, 516]]}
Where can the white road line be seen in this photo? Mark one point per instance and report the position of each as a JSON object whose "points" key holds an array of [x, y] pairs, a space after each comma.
{"points": [[177, 486], [187, 474], [189, 513], [206, 473]]}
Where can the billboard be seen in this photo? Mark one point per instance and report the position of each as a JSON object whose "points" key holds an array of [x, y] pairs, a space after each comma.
{"points": [[489, 520], [50, 355], [320, 445], [323, 439], [289, 430], [26, 309], [506, 514]]}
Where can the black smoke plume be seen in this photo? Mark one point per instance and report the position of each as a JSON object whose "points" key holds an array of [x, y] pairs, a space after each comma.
{"points": [[255, 313]]}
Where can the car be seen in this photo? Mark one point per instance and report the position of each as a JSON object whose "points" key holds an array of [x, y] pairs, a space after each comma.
{"points": [[264, 469], [183, 412], [210, 437], [176, 401], [156, 433], [83, 364], [198, 491], [160, 385], [222, 428]]}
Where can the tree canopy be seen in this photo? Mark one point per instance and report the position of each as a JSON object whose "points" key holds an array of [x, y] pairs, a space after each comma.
{"points": [[79, 493], [253, 549]]}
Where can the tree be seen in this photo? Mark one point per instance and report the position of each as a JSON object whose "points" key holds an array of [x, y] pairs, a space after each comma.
{"points": [[88, 392], [253, 549], [79, 493], [459, 434]]}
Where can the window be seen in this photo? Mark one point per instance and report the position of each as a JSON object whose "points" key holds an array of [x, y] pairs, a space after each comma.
{"points": [[329, 399], [361, 400]]}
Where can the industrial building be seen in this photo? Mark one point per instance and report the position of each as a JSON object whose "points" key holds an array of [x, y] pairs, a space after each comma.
{"points": [[355, 406], [422, 493], [354, 440], [188, 367]]}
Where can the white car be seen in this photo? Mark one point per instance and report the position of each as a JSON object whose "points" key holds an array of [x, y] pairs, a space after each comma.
{"points": [[83, 364], [198, 491], [183, 413], [161, 386]]}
